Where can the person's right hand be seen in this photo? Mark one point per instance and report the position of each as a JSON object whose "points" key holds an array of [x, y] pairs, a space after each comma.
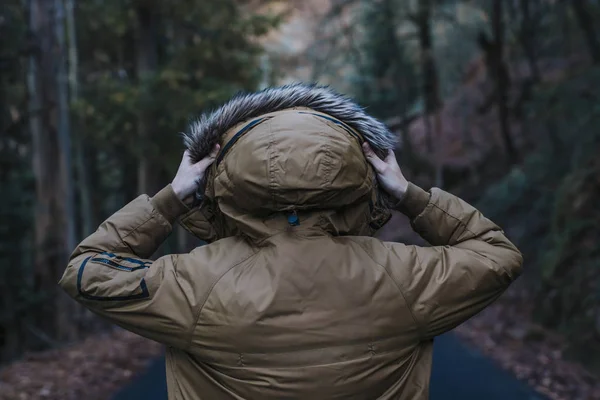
{"points": [[388, 171], [189, 175]]}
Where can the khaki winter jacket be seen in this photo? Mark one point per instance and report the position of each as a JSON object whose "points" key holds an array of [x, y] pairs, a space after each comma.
{"points": [[294, 299]]}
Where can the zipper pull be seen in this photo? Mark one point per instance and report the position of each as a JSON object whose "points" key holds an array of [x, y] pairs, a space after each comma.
{"points": [[293, 218]]}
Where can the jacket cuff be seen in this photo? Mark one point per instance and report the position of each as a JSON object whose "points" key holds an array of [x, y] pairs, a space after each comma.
{"points": [[413, 202], [168, 204]]}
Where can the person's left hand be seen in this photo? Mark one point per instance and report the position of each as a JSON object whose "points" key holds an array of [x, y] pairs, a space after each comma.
{"points": [[388, 171], [189, 175]]}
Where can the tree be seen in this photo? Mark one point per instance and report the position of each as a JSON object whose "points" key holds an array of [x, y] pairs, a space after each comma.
{"points": [[146, 67], [527, 34], [65, 330], [493, 50], [16, 182], [586, 23], [385, 81], [54, 219], [82, 154], [430, 85]]}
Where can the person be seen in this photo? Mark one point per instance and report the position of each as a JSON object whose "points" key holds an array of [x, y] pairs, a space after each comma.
{"points": [[293, 297]]}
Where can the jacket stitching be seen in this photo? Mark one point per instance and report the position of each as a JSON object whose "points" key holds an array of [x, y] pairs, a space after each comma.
{"points": [[356, 343], [129, 247], [248, 127], [208, 292], [153, 214], [337, 123], [461, 223], [474, 236], [425, 320], [365, 356], [137, 227], [422, 213], [131, 260], [172, 366], [271, 163], [276, 232], [328, 166], [409, 304]]}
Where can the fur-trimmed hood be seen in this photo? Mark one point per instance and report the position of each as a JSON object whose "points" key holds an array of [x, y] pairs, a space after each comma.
{"points": [[206, 131], [293, 149]]}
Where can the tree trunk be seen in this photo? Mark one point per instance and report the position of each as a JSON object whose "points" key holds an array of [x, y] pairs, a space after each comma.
{"points": [[66, 327], [146, 65], [431, 92], [427, 67], [11, 240], [502, 79], [10, 329], [54, 234], [88, 220], [64, 126], [439, 157], [467, 138], [83, 159], [527, 35], [586, 23], [406, 150]]}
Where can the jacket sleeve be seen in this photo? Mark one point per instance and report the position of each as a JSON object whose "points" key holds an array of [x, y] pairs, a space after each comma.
{"points": [[200, 222], [470, 264], [110, 273]]}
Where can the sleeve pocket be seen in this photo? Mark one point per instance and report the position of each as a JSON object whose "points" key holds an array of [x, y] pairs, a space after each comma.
{"points": [[108, 277]]}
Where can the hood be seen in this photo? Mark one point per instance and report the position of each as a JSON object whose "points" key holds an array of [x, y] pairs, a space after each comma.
{"points": [[290, 159]]}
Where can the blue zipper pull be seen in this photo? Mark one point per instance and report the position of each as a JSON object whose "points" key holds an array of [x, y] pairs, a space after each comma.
{"points": [[293, 219]]}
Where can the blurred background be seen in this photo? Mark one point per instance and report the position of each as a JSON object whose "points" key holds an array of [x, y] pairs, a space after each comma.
{"points": [[493, 100]]}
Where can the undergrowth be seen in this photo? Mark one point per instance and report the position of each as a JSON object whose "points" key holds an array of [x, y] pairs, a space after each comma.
{"points": [[551, 206]]}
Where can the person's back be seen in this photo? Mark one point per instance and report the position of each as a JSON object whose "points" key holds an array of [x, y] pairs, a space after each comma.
{"points": [[293, 298]]}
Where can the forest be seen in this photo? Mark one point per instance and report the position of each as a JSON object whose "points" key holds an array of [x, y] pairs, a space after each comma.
{"points": [[492, 100]]}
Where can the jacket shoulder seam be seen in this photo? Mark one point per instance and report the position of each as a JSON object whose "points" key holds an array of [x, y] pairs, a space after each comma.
{"points": [[209, 291], [474, 236], [408, 304], [460, 222], [153, 213], [130, 233]]}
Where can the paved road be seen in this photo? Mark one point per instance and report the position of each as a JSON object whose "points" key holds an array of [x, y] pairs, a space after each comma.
{"points": [[458, 373]]}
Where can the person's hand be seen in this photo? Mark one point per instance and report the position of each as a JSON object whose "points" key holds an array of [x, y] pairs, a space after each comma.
{"points": [[189, 175], [388, 171]]}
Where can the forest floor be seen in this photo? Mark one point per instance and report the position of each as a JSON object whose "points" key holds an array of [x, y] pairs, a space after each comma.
{"points": [[93, 369], [505, 333]]}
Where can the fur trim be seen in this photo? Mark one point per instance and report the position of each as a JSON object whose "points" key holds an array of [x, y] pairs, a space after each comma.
{"points": [[204, 133]]}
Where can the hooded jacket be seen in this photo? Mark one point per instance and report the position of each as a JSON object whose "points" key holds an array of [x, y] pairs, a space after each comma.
{"points": [[293, 298]]}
